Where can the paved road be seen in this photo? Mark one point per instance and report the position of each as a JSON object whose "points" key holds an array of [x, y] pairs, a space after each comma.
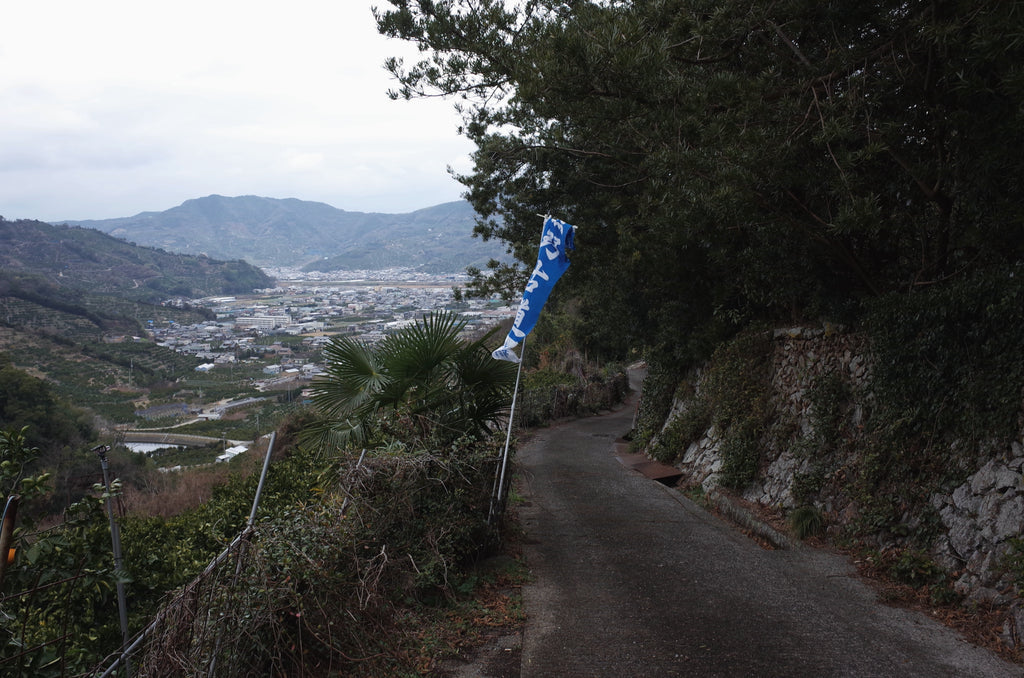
{"points": [[631, 579], [175, 439]]}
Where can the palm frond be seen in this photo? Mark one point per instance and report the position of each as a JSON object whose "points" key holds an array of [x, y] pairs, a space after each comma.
{"points": [[417, 352], [333, 434], [354, 376], [424, 373]]}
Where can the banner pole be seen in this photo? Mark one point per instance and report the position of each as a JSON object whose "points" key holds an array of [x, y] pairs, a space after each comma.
{"points": [[498, 493]]}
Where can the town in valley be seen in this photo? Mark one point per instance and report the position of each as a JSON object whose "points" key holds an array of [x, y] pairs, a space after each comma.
{"points": [[266, 346]]}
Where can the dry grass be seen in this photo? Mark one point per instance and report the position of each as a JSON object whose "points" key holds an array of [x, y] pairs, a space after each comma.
{"points": [[168, 494], [981, 624]]}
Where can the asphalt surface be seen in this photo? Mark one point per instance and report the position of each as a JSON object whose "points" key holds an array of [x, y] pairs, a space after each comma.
{"points": [[631, 579]]}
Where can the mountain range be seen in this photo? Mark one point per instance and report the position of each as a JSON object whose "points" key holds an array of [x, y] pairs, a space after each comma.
{"points": [[271, 232]]}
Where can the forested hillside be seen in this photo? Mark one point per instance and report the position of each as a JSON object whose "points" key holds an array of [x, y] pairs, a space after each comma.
{"points": [[69, 295], [313, 235], [83, 259]]}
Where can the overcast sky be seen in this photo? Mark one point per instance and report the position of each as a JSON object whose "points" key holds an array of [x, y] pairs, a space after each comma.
{"points": [[113, 107]]}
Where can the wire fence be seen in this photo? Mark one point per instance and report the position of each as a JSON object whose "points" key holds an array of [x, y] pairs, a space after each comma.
{"points": [[186, 632], [44, 611], [319, 591], [223, 622], [22, 663], [185, 638]]}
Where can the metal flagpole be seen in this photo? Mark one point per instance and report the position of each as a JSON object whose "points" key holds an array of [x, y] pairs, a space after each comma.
{"points": [[498, 493], [552, 262]]}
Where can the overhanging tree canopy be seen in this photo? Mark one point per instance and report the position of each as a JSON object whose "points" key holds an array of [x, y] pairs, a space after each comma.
{"points": [[732, 161]]}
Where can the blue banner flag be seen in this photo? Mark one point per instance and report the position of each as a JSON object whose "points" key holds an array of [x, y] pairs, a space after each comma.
{"points": [[556, 239]]}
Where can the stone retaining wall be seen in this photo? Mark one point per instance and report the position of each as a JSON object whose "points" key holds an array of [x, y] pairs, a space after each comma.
{"points": [[983, 518], [800, 356]]}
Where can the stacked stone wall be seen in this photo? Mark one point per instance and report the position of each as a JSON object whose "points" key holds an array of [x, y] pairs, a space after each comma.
{"points": [[982, 519], [799, 357]]}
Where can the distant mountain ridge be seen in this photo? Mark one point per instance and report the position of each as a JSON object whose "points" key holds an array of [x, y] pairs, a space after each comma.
{"points": [[312, 235]]}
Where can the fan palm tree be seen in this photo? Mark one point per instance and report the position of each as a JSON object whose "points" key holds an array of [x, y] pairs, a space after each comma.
{"points": [[423, 381]]}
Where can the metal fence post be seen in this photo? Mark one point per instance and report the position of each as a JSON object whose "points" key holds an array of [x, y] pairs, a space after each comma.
{"points": [[7, 532], [115, 538]]}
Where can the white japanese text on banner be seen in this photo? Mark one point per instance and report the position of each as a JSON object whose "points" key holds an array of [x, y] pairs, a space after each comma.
{"points": [[552, 261]]}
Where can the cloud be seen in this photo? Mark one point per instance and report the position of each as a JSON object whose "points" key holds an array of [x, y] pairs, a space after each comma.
{"points": [[114, 107], [297, 161]]}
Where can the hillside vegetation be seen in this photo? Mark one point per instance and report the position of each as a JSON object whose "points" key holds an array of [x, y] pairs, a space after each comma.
{"points": [[83, 259], [738, 167], [362, 557], [71, 299]]}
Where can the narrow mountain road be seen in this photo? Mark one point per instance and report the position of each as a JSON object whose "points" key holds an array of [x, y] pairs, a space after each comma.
{"points": [[630, 578]]}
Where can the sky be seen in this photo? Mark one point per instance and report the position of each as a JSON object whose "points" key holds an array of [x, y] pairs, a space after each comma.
{"points": [[109, 108]]}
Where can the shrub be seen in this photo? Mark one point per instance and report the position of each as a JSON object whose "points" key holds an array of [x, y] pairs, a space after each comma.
{"points": [[916, 568], [548, 395], [950, 358], [338, 585], [806, 521], [1013, 562], [658, 391], [740, 449]]}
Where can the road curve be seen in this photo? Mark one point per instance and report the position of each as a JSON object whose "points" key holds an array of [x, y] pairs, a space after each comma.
{"points": [[170, 439], [631, 579]]}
